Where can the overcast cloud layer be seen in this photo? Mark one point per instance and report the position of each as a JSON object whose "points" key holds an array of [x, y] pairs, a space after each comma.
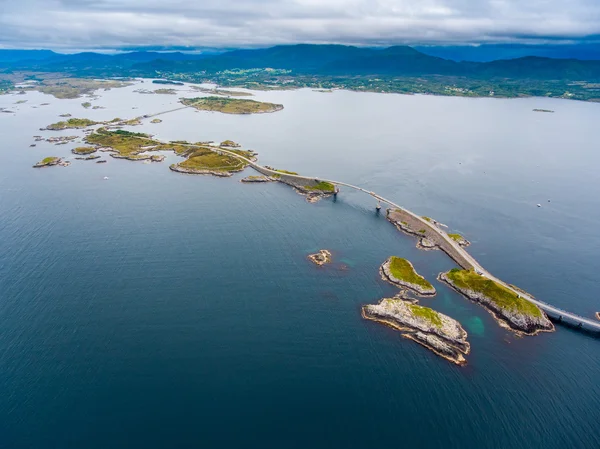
{"points": [[80, 24]]}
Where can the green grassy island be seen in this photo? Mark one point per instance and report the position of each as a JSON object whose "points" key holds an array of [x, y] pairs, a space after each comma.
{"points": [[231, 105], [500, 295], [166, 91], [401, 273], [509, 308], [72, 123], [136, 146], [48, 162], [84, 150]]}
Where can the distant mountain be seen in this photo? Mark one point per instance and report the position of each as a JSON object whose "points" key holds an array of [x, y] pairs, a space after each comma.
{"points": [[493, 52], [332, 60]]}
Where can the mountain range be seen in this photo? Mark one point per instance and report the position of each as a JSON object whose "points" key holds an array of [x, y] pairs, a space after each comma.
{"points": [[304, 59]]}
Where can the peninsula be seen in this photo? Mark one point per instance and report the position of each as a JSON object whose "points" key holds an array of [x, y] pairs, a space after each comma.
{"points": [[437, 332], [401, 273], [231, 105]]}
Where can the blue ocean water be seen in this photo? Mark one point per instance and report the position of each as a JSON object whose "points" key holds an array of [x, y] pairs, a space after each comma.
{"points": [[155, 309]]}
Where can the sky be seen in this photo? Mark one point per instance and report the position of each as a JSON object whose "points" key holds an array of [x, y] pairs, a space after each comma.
{"points": [[96, 24]]}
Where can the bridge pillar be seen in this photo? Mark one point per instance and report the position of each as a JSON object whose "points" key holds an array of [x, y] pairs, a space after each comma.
{"points": [[378, 207], [336, 191]]}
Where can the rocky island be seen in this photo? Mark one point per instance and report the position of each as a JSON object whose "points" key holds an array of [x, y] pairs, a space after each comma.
{"points": [[231, 105], [401, 273], [84, 150], [508, 308], [51, 161], [72, 123], [320, 258], [437, 332]]}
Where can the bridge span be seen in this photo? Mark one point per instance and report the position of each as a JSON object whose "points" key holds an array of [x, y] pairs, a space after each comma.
{"points": [[556, 313]]}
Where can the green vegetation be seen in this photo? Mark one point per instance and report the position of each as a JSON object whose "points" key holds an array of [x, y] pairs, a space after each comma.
{"points": [[156, 120], [427, 314], [422, 231], [72, 123], [427, 219], [230, 105], [322, 186], [130, 145], [229, 143], [49, 160], [456, 237], [403, 270], [86, 104], [206, 159], [284, 171], [165, 91], [500, 295], [84, 150]]}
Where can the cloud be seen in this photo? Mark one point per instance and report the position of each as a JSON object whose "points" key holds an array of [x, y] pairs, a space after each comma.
{"points": [[93, 24]]}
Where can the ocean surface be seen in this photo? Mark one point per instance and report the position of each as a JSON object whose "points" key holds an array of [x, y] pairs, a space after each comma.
{"points": [[160, 310]]}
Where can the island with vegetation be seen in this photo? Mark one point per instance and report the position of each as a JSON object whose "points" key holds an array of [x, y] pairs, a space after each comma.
{"points": [[156, 120], [139, 146], [437, 332], [401, 273], [165, 91], [50, 161], [320, 258], [510, 309], [72, 123], [84, 150], [231, 105]]}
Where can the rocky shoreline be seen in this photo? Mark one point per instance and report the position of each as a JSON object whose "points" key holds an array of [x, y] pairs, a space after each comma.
{"points": [[387, 275], [519, 323], [442, 335], [598, 316]]}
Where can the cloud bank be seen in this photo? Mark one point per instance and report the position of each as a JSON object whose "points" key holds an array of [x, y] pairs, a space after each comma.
{"points": [[94, 24]]}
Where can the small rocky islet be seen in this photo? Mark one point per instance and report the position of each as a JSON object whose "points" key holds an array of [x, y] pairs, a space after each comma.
{"points": [[320, 258]]}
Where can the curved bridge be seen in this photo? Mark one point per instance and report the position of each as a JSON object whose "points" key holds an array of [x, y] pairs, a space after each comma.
{"points": [[556, 313]]}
